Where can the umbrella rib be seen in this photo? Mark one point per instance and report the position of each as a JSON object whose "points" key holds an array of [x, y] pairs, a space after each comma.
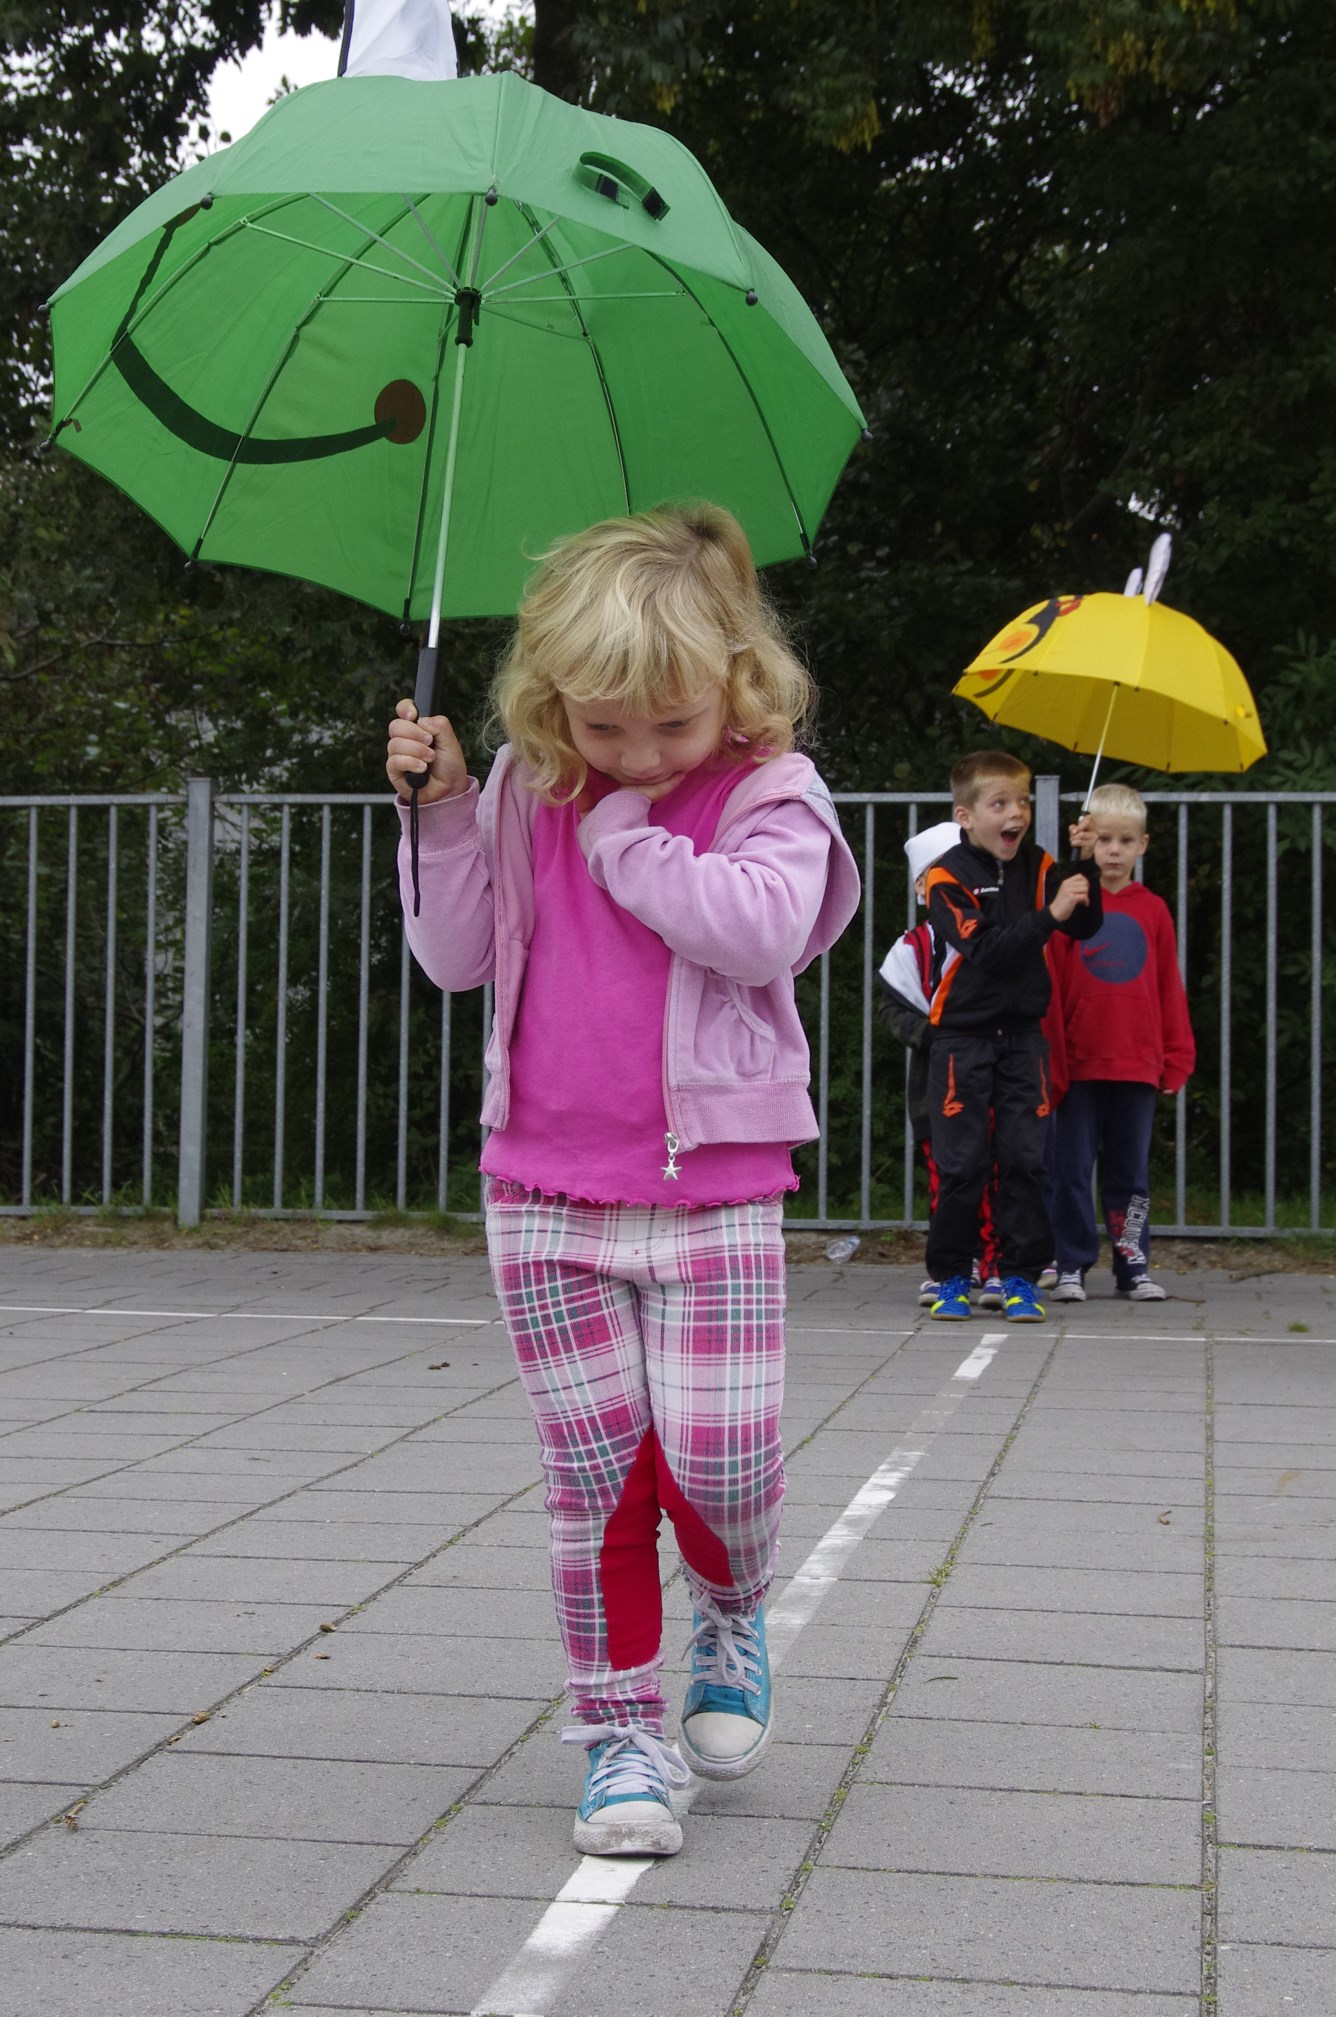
{"points": [[574, 300], [432, 286], [532, 278], [244, 434], [422, 226], [378, 236], [751, 392], [520, 254]]}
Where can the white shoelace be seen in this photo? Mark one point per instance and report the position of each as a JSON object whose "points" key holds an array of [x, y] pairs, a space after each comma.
{"points": [[737, 1650], [635, 1762]]}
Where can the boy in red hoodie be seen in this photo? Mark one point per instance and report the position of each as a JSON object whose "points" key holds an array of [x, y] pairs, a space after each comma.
{"points": [[1128, 1038]]}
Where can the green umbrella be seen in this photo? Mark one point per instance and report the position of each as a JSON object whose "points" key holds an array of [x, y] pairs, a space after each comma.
{"points": [[404, 334]]}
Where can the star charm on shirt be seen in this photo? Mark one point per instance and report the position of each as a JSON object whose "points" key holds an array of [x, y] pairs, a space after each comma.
{"points": [[670, 1169]]}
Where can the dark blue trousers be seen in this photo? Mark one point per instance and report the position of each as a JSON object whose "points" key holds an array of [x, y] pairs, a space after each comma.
{"points": [[1104, 1123]]}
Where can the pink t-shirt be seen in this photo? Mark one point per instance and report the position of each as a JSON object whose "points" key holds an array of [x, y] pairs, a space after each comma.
{"points": [[586, 1058]]}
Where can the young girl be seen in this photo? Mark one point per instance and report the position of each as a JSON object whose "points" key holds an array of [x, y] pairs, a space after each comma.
{"points": [[648, 867]]}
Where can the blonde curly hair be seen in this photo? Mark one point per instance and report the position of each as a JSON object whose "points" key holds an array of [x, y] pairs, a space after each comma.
{"points": [[649, 611]]}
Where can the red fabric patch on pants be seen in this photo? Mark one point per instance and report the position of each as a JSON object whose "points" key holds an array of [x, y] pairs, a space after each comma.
{"points": [[628, 1561]]}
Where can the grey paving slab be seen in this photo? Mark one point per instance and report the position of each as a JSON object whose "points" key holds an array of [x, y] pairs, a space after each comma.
{"points": [[1272, 1736], [1274, 1981], [227, 1578], [1152, 1594], [1011, 1691], [86, 1746], [911, 1750], [98, 1879], [1246, 1675], [409, 1954], [378, 1728], [1097, 1936], [1309, 1625], [113, 1553], [105, 1678], [24, 1806], [397, 1545], [163, 1624], [292, 1799], [968, 1832], [417, 1606], [791, 1993], [1090, 1639], [1277, 1809], [139, 1977], [1278, 1895], [170, 1519], [402, 1662]]}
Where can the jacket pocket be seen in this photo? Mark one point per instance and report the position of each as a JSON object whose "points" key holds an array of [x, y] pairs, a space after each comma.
{"points": [[732, 1041]]}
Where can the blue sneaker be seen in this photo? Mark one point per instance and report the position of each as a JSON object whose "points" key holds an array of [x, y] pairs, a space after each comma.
{"points": [[953, 1299], [625, 1809], [1022, 1304], [727, 1718]]}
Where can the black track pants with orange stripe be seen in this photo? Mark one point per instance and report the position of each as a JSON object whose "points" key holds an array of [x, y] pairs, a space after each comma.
{"points": [[988, 1100]]}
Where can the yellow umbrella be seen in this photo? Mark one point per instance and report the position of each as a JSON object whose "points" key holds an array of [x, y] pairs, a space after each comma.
{"points": [[1119, 675]]}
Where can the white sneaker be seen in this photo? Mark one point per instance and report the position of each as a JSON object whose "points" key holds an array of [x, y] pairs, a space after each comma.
{"points": [[1047, 1277], [928, 1293], [992, 1295], [1069, 1288], [1144, 1290]]}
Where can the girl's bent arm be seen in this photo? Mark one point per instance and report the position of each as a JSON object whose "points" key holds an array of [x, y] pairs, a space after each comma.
{"points": [[747, 914], [453, 938]]}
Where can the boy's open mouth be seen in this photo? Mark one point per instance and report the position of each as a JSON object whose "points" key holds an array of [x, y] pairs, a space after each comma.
{"points": [[1013, 835]]}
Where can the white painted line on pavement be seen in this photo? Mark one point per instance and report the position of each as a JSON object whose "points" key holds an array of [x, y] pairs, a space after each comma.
{"points": [[532, 1983], [237, 1316]]}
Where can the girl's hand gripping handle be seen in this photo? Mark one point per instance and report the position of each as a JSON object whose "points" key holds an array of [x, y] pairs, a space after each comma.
{"points": [[428, 750]]}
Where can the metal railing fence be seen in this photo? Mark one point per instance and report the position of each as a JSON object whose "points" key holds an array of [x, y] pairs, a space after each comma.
{"points": [[207, 1002]]}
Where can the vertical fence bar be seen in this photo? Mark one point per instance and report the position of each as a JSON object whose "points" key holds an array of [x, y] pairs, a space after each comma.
{"points": [[1315, 1019], [1181, 1097], [150, 998], [363, 1003], [488, 1007], [71, 940], [823, 1094], [322, 1012], [281, 1026], [869, 875], [1226, 990], [401, 1153], [30, 1012], [1271, 940], [243, 964], [109, 1009], [1047, 817], [193, 1138]]}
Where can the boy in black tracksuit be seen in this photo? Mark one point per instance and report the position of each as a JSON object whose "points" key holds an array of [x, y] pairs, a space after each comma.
{"points": [[994, 902]]}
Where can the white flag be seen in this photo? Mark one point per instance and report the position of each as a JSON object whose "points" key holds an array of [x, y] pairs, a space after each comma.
{"points": [[398, 38]]}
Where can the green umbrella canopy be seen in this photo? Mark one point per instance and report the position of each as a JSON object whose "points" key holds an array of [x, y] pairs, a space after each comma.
{"points": [[397, 309]]}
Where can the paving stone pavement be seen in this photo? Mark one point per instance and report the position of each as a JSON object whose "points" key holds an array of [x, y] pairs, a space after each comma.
{"points": [[279, 1680]]}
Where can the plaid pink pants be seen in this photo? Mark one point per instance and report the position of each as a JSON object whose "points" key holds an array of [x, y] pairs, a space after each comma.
{"points": [[651, 1346]]}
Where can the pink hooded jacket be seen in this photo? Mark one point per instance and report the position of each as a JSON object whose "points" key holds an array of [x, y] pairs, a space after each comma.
{"points": [[740, 921]]}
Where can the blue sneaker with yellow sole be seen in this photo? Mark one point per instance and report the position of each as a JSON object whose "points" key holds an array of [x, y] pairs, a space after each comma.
{"points": [[953, 1300], [1021, 1304]]}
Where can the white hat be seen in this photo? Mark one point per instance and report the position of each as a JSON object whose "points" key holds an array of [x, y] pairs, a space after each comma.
{"points": [[923, 849]]}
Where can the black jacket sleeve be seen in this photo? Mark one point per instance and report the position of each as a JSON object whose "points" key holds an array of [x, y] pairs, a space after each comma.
{"points": [[1087, 918], [906, 1022]]}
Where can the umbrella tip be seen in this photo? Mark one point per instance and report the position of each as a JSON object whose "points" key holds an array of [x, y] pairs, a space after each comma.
{"points": [[867, 434], [752, 297]]}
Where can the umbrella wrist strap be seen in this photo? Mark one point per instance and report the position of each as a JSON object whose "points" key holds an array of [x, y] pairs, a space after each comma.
{"points": [[413, 848]]}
